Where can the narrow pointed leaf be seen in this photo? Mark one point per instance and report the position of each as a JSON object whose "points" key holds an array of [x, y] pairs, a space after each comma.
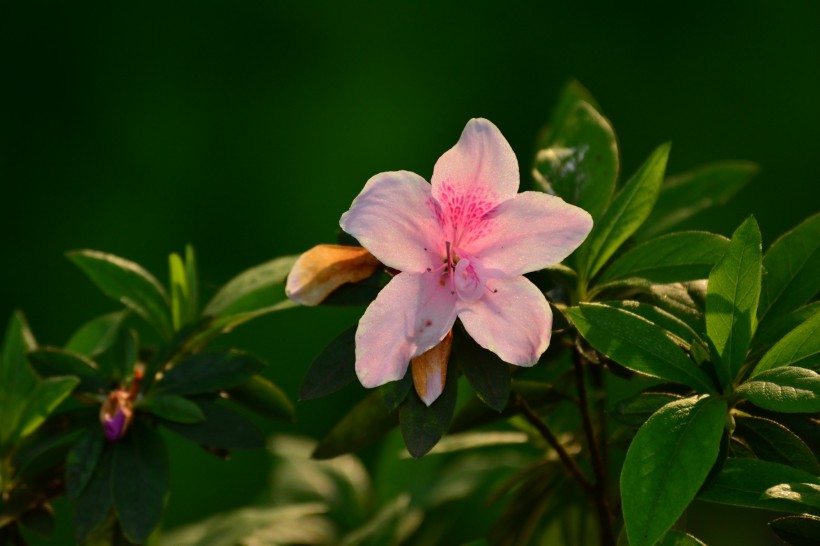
{"points": [[667, 463], [128, 283], [82, 461], [657, 316], [731, 300], [192, 279], [635, 410], [333, 369], [180, 297], [682, 196], [771, 331], [361, 426], [16, 378], [252, 290], [53, 362], [120, 359], [792, 267], [625, 214], [95, 502], [96, 335], [637, 344], [222, 428], [800, 347], [263, 397], [579, 162], [422, 426], [208, 372], [139, 476], [798, 530], [772, 441], [785, 390], [676, 257], [487, 374], [42, 401], [173, 408]]}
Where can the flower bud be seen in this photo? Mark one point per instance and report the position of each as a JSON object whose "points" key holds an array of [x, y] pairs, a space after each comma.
{"points": [[429, 370], [324, 268], [116, 415]]}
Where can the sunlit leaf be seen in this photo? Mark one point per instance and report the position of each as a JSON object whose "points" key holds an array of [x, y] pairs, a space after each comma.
{"points": [[667, 463], [96, 335], [180, 294], [800, 347], [807, 494], [42, 401], [771, 331], [256, 288], [16, 378], [787, 390], [53, 362], [657, 316], [679, 538], [128, 283]]}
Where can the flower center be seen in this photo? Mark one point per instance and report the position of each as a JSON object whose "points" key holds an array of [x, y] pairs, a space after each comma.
{"points": [[464, 274]]}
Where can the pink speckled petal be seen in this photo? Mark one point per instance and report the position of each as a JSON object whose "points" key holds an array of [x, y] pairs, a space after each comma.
{"points": [[409, 316], [393, 217], [481, 164], [529, 232], [514, 322]]}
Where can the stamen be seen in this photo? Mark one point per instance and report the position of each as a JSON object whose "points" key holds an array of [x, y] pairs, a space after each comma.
{"points": [[452, 268]]}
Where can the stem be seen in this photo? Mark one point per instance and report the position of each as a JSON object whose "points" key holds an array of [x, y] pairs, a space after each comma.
{"points": [[600, 487], [569, 463]]}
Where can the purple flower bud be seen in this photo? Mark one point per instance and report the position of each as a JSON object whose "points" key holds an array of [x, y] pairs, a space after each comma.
{"points": [[116, 415]]}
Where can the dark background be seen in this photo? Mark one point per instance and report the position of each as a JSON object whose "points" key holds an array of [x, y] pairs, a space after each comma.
{"points": [[246, 128]]}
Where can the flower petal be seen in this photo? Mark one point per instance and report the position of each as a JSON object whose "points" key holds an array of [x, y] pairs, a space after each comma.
{"points": [[394, 218], [430, 370], [514, 321], [324, 268], [529, 232], [409, 316], [481, 163]]}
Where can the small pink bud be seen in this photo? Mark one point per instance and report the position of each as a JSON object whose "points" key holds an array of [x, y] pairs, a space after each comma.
{"points": [[116, 415]]}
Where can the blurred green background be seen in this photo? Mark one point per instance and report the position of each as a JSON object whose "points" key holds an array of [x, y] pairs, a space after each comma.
{"points": [[246, 128]]}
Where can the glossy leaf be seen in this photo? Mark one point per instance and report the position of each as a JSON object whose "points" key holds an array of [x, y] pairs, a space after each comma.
{"points": [[16, 378], [487, 374], [223, 428], [97, 335], [635, 410], [252, 290], [786, 390], [95, 502], [628, 210], [333, 369], [667, 463], [365, 423], [208, 372], [800, 347], [637, 344], [579, 161], [669, 322], [180, 294], [801, 530], [771, 331], [676, 257], [686, 301], [42, 401], [422, 426], [173, 408], [682, 196], [772, 441], [263, 397], [128, 283], [743, 482], [82, 461], [140, 481], [53, 362], [731, 300], [807, 494], [792, 267]]}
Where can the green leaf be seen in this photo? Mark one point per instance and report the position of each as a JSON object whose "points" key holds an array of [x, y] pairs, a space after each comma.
{"points": [[628, 210], [252, 290], [772, 441], [16, 377], [120, 359], [637, 344], [40, 520], [454, 443], [333, 369], [394, 392], [635, 410], [679, 538], [686, 301], [263, 397], [53, 362], [579, 161], [139, 481], [180, 293], [208, 372], [800, 347], [129, 284], [223, 428], [172, 408], [807, 494], [45, 398], [95, 502], [82, 461], [487, 374], [676, 257], [475, 412], [785, 390], [361, 426], [731, 300], [97, 335], [682, 332], [422, 426], [682, 196], [798, 530], [742, 482], [667, 463], [192, 280], [771, 331], [792, 267]]}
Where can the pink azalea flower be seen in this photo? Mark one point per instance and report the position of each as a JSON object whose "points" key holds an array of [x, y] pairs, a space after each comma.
{"points": [[461, 245]]}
